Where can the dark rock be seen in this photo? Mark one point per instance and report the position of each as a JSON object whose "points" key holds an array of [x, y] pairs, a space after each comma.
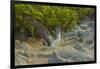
{"points": [[84, 26], [78, 46], [75, 54], [85, 35], [91, 46], [54, 59], [70, 34]]}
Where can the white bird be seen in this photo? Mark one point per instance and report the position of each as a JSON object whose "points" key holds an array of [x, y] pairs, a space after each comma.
{"points": [[55, 42], [47, 37]]}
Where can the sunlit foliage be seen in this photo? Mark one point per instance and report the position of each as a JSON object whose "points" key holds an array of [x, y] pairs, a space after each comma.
{"points": [[49, 16]]}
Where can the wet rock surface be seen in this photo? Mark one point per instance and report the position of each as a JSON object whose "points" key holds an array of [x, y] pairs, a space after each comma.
{"points": [[78, 46], [82, 47]]}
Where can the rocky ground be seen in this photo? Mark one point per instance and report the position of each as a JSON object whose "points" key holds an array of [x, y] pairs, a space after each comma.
{"points": [[76, 46]]}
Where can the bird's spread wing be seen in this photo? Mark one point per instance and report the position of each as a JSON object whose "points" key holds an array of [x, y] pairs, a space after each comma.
{"points": [[50, 38]]}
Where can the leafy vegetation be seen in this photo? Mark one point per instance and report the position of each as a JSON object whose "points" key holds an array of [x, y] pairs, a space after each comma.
{"points": [[49, 16]]}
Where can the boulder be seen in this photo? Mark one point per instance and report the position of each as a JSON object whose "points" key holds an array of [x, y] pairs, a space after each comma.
{"points": [[20, 60], [84, 26], [22, 52], [71, 34], [70, 54], [54, 59]]}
